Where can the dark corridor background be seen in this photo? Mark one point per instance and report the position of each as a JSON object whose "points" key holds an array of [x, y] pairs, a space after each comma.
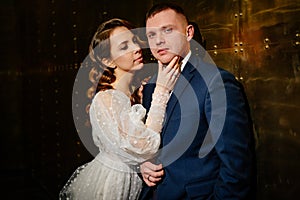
{"points": [[43, 43]]}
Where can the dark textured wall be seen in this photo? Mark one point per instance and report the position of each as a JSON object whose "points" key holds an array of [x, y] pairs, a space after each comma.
{"points": [[44, 42]]}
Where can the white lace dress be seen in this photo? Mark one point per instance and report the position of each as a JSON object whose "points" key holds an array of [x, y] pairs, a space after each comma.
{"points": [[123, 140]]}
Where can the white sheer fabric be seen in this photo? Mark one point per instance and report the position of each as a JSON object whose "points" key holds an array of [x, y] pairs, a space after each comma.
{"points": [[123, 140]]}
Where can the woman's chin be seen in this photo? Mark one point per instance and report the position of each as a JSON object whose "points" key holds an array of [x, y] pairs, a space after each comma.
{"points": [[138, 67]]}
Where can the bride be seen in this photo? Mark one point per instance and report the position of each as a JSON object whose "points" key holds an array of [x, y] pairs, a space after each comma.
{"points": [[117, 117]]}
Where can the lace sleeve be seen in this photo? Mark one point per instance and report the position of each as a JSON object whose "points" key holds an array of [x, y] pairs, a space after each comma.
{"points": [[157, 110], [122, 127]]}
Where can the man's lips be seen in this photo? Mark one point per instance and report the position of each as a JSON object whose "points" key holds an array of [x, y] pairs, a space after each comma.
{"points": [[162, 51]]}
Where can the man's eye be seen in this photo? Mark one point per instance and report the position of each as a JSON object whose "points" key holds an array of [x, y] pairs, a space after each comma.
{"points": [[151, 35], [168, 30]]}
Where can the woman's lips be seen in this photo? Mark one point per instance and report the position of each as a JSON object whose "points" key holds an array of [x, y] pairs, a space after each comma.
{"points": [[139, 59]]}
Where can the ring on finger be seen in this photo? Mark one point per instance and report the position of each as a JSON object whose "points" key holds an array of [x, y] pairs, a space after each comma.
{"points": [[149, 177]]}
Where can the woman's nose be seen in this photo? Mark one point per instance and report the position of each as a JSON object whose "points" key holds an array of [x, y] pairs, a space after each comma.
{"points": [[137, 48], [138, 51]]}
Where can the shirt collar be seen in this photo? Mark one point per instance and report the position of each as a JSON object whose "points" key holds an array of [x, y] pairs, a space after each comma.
{"points": [[184, 61]]}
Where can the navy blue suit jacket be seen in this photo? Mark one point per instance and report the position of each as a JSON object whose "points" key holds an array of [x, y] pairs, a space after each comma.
{"points": [[207, 147]]}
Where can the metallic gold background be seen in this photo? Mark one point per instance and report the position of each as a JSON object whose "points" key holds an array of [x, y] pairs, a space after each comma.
{"points": [[44, 42]]}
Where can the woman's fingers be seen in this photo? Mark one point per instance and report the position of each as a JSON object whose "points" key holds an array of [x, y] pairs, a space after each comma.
{"points": [[172, 64], [174, 72], [160, 66], [167, 75]]}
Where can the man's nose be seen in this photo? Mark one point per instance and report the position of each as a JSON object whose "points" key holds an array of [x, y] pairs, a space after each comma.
{"points": [[159, 39]]}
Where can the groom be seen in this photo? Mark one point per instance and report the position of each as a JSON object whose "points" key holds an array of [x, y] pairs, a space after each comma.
{"points": [[207, 148]]}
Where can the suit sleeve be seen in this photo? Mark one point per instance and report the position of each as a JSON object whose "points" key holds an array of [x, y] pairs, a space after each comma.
{"points": [[235, 146]]}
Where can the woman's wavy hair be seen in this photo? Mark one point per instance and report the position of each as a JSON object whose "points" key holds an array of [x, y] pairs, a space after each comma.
{"points": [[101, 75]]}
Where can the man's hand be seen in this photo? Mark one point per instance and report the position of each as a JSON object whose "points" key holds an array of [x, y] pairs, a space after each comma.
{"points": [[151, 173]]}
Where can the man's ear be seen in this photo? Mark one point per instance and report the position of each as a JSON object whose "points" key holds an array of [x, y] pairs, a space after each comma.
{"points": [[108, 62], [189, 32]]}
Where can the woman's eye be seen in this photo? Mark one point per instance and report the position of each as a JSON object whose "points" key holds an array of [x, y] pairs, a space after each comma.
{"points": [[124, 47]]}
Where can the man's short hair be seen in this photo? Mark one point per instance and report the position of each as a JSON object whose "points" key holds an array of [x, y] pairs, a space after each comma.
{"points": [[164, 6]]}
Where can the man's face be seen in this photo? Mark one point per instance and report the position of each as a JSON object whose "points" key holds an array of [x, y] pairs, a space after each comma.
{"points": [[167, 35]]}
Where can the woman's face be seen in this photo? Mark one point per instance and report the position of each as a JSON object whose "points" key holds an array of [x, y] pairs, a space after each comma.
{"points": [[126, 53]]}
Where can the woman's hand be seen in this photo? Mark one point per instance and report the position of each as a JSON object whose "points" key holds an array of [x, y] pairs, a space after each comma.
{"points": [[168, 75]]}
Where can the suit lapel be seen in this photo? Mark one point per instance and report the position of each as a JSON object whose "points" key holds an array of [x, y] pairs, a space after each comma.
{"points": [[147, 95], [182, 83]]}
